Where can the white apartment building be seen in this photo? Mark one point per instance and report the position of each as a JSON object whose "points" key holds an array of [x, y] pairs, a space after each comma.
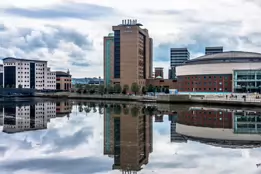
{"points": [[51, 79], [26, 118], [27, 73]]}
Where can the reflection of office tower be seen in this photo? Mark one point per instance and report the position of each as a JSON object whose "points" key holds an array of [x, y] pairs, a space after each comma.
{"points": [[1, 118], [108, 132], [28, 117], [131, 140], [158, 118], [174, 136], [63, 108]]}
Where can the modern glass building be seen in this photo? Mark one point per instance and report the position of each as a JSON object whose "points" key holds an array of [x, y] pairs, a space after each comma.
{"points": [[247, 80], [178, 56], [108, 57], [213, 50]]}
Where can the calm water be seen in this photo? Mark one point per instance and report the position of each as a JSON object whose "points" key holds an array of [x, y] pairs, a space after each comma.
{"points": [[72, 137]]}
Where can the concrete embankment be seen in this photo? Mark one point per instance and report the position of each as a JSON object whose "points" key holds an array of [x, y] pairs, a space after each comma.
{"points": [[203, 100], [177, 99]]}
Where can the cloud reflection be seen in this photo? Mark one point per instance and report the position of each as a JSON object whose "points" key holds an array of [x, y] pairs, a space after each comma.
{"points": [[130, 138]]}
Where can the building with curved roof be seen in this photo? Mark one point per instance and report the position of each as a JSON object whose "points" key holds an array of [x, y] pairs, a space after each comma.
{"points": [[219, 73]]}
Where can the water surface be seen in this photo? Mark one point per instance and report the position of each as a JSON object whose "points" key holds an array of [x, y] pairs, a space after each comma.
{"points": [[73, 137]]}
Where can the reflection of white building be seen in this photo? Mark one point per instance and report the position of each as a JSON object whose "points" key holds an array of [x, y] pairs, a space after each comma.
{"points": [[29, 117], [219, 136]]}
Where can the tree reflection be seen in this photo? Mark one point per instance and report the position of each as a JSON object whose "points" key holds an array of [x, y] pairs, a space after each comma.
{"points": [[135, 111], [117, 109], [126, 111], [87, 110], [80, 108]]}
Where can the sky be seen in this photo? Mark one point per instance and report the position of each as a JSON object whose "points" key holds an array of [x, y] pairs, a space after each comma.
{"points": [[76, 146], [69, 33]]}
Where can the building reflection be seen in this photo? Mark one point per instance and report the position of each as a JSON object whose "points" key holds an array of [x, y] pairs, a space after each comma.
{"points": [[63, 108], [127, 137], [20, 118], [229, 128]]}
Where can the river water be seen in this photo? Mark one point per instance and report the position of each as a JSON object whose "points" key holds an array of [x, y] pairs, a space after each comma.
{"points": [[83, 137]]}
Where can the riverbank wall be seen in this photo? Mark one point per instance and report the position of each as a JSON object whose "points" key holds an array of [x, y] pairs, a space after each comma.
{"points": [[164, 99]]}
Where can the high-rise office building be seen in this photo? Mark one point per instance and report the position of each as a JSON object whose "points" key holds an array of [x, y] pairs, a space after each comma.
{"points": [[108, 55], [128, 54], [159, 72], [213, 50], [178, 56], [172, 73]]}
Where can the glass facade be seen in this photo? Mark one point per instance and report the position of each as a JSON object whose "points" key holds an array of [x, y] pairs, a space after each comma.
{"points": [[117, 54], [107, 137], [9, 76], [109, 43], [247, 122], [247, 81]]}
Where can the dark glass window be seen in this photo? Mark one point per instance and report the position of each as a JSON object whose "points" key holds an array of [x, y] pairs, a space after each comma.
{"points": [[117, 53]]}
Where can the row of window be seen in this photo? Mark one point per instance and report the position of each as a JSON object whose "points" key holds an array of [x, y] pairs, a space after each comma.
{"points": [[205, 89], [203, 77], [206, 83]]}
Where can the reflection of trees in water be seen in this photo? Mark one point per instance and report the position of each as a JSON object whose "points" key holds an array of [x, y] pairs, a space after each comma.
{"points": [[100, 108], [80, 107], [117, 109], [135, 111], [150, 110], [126, 111], [87, 110]]}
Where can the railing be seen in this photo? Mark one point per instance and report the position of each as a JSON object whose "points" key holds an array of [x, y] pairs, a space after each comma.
{"points": [[236, 98]]}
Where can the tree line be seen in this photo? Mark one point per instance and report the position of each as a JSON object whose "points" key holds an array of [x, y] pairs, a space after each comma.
{"points": [[118, 89]]}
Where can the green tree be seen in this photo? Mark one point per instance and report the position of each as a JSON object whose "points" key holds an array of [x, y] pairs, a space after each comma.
{"points": [[20, 86], [110, 89], [144, 90], [13, 86], [135, 88], [7, 86], [101, 89], [117, 88], [150, 88], [158, 89], [167, 90], [1, 86], [125, 89]]}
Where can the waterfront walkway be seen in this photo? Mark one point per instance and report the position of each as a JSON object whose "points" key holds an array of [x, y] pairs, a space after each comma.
{"points": [[231, 98]]}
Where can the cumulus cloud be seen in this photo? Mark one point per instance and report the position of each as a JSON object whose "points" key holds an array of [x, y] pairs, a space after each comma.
{"points": [[62, 47], [71, 31]]}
